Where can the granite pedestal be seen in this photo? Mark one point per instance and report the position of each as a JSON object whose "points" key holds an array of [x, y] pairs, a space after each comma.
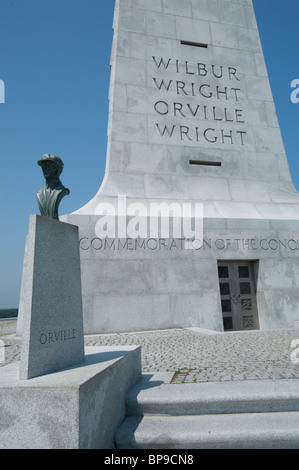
{"points": [[50, 313], [59, 395], [76, 408]]}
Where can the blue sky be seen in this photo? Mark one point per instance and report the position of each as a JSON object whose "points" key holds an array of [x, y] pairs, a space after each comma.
{"points": [[54, 61]]}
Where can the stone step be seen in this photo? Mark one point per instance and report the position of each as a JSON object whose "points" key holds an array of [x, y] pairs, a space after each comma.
{"points": [[153, 396], [220, 431], [234, 415]]}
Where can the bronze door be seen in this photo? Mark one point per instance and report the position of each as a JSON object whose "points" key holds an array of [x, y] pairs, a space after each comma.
{"points": [[238, 297]]}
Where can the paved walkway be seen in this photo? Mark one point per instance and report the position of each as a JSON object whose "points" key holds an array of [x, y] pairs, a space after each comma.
{"points": [[197, 356]]}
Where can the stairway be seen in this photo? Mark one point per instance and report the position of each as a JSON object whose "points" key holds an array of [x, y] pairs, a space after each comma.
{"points": [[253, 414]]}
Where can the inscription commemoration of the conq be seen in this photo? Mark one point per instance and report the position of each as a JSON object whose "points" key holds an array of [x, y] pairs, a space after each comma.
{"points": [[171, 244]]}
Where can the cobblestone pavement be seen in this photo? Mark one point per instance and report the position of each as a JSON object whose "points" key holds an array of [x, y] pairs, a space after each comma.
{"points": [[197, 357]]}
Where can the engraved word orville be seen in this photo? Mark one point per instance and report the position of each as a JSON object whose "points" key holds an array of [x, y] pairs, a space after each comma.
{"points": [[56, 336]]}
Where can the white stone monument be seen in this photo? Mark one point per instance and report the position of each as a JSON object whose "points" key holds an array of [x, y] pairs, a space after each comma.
{"points": [[191, 122]]}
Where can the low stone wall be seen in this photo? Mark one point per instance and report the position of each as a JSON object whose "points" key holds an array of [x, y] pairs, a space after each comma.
{"points": [[8, 327]]}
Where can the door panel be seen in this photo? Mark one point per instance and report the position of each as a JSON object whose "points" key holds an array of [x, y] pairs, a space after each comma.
{"points": [[238, 298]]}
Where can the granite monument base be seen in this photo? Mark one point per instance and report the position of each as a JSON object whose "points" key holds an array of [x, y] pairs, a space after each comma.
{"points": [[76, 408]]}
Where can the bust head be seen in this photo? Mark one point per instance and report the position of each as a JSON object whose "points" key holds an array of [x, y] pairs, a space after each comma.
{"points": [[50, 196], [52, 166]]}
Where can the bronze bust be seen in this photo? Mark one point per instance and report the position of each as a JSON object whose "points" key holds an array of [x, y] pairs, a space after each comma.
{"points": [[51, 194]]}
